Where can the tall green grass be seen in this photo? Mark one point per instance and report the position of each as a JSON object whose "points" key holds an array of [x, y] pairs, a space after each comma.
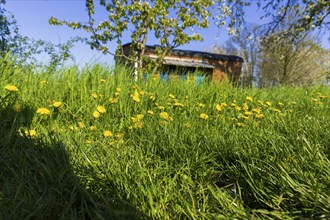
{"points": [[219, 153]]}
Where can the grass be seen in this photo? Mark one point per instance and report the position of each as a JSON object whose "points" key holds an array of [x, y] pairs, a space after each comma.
{"points": [[159, 150]]}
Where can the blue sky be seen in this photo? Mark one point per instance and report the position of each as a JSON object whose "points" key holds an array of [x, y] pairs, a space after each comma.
{"points": [[32, 17]]}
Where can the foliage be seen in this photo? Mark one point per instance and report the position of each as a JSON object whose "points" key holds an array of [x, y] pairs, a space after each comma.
{"points": [[168, 21], [159, 150], [26, 50]]}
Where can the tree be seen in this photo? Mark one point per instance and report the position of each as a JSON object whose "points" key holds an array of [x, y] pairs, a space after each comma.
{"points": [[25, 49], [301, 63], [168, 21]]}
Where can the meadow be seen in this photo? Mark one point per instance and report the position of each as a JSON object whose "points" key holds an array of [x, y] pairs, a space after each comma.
{"points": [[94, 144]]}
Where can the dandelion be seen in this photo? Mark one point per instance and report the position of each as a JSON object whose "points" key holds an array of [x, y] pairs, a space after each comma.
{"points": [[120, 135], [256, 110], [81, 124], [11, 88], [57, 104], [142, 92], [178, 104], [136, 97], [201, 105], [43, 111], [276, 110], [137, 118], [101, 109], [165, 115], [245, 107], [203, 116], [152, 97], [113, 100], [96, 114], [280, 103], [92, 128], [150, 112], [118, 89], [31, 133], [248, 113], [43, 82], [218, 107], [260, 116], [107, 133], [260, 102], [223, 104], [171, 96], [240, 124], [88, 141], [94, 95], [245, 117], [249, 98], [160, 107], [17, 107], [268, 103]]}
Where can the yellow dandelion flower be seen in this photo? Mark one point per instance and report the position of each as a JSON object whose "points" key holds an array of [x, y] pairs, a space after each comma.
{"points": [[152, 97], [238, 108], [280, 103], [171, 96], [178, 104], [17, 107], [142, 92], [120, 135], [260, 102], [223, 104], [101, 109], [248, 113], [113, 100], [31, 133], [256, 110], [201, 105], [96, 114], [94, 95], [150, 112], [218, 107], [57, 104], [89, 141], [240, 124], [107, 133], [249, 98], [136, 97], [233, 119], [160, 107], [268, 103], [233, 104], [260, 116], [166, 116], [11, 88], [245, 117], [92, 128], [276, 110], [43, 111], [203, 116], [81, 124]]}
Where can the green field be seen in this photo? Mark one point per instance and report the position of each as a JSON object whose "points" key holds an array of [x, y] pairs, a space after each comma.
{"points": [[93, 144]]}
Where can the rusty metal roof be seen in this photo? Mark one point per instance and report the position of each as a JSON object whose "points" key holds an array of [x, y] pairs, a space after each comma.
{"points": [[194, 54]]}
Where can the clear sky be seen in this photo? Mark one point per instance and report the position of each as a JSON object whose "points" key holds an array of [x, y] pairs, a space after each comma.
{"points": [[32, 17]]}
